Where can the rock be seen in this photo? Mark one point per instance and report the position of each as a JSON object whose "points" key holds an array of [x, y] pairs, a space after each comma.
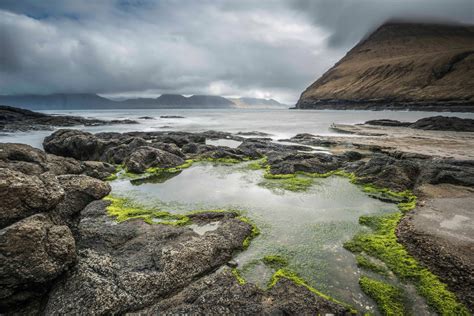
{"points": [[33, 252], [171, 116], [387, 122], [445, 123], [146, 118], [146, 157], [439, 123], [23, 195], [76, 144], [165, 260], [79, 190], [221, 294], [33, 161], [285, 163], [97, 169], [254, 133], [384, 171], [219, 152], [15, 119]]}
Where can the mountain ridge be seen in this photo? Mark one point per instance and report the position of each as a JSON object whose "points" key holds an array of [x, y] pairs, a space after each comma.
{"points": [[78, 101], [401, 65]]}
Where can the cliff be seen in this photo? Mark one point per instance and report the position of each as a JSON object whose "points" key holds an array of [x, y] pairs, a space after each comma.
{"points": [[401, 66]]}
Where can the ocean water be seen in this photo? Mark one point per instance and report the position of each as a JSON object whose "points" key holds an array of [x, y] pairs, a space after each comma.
{"points": [[281, 124]]}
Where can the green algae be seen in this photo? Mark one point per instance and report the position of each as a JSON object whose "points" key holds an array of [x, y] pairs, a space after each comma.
{"points": [[275, 261], [389, 298], [123, 210], [366, 263], [296, 279], [295, 184], [238, 277], [253, 233], [382, 244]]}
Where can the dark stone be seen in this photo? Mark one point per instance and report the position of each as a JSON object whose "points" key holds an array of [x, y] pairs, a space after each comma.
{"points": [[33, 252], [146, 157]]}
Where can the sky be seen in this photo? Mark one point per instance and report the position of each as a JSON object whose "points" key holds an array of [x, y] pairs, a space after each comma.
{"points": [[143, 48]]}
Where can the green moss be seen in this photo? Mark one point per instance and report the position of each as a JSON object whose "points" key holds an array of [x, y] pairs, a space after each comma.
{"points": [[122, 209], [237, 275], [112, 177], [275, 261], [382, 244], [254, 232], [388, 297], [295, 278], [365, 263], [223, 160], [295, 184], [258, 164]]}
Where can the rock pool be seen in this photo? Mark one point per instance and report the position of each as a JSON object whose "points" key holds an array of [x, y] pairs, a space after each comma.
{"points": [[306, 228]]}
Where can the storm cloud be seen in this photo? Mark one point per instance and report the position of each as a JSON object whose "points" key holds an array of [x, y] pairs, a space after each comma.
{"points": [[233, 48]]}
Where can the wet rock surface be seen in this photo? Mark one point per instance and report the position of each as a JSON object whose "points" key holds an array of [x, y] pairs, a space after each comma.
{"points": [[39, 198], [165, 259], [437, 123], [221, 294], [439, 234], [14, 119]]}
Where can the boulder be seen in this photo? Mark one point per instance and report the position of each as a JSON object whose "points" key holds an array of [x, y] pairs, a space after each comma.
{"points": [[33, 252], [79, 190], [128, 266], [146, 157], [76, 144], [22, 195], [387, 172]]}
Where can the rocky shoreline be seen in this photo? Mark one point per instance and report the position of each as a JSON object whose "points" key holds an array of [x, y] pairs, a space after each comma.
{"points": [[79, 259], [14, 119], [386, 105]]}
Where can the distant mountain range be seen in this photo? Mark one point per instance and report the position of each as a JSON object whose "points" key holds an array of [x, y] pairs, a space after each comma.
{"points": [[415, 66], [75, 101]]}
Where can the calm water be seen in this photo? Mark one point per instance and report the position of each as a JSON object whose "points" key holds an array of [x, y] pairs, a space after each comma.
{"points": [[280, 123]]}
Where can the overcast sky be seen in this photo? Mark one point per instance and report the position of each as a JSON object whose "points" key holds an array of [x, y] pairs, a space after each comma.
{"points": [[271, 49]]}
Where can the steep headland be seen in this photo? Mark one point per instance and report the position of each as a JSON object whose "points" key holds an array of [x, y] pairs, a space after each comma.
{"points": [[411, 66]]}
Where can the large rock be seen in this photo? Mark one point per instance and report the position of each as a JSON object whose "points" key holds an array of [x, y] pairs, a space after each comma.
{"points": [[79, 190], [23, 195], [388, 172], [33, 161], [146, 157], [131, 265], [221, 294], [76, 144], [33, 252]]}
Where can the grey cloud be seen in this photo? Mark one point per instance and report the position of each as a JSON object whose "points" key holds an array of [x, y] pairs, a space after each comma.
{"points": [[348, 21], [255, 48]]}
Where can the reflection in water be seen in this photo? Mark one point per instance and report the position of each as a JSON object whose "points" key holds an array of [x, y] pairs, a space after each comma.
{"points": [[306, 228]]}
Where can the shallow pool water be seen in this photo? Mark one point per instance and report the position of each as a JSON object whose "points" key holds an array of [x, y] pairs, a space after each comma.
{"points": [[307, 228]]}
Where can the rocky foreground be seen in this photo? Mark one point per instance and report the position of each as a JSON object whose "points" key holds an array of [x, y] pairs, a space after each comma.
{"points": [[14, 119], [61, 252]]}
